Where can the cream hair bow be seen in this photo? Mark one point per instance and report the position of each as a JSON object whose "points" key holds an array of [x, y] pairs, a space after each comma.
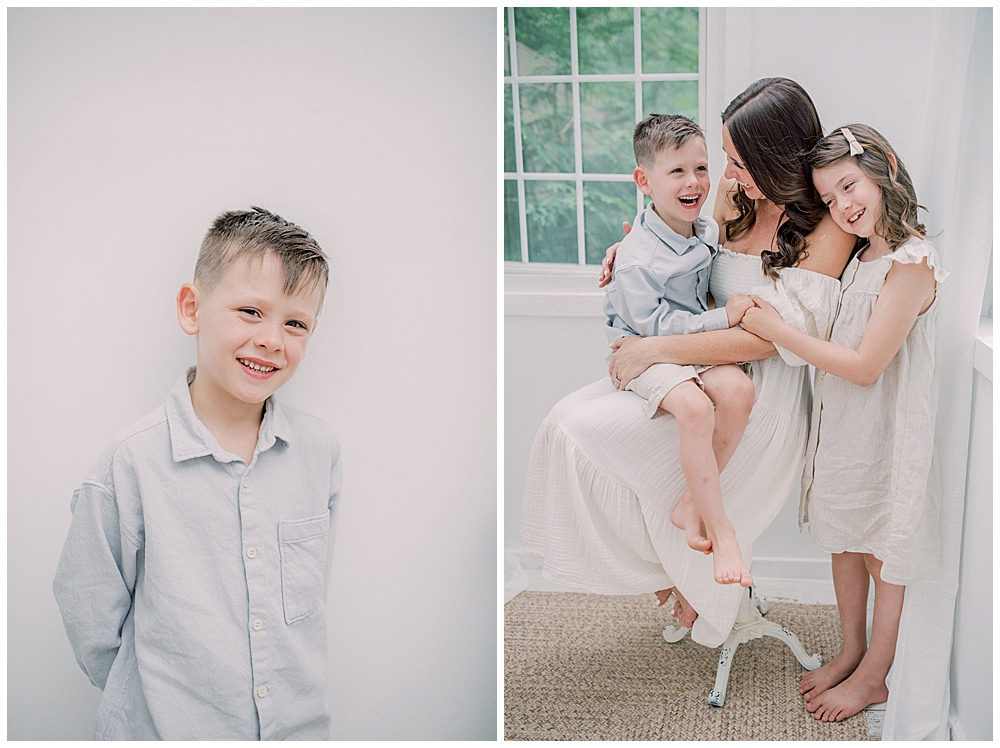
{"points": [[856, 149]]}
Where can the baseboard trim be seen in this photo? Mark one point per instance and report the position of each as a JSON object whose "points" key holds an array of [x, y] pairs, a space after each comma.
{"points": [[798, 580]]}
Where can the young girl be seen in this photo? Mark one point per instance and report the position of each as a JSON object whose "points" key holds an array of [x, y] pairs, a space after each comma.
{"points": [[869, 490]]}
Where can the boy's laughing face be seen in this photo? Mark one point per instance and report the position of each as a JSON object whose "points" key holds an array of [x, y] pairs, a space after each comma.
{"points": [[677, 180], [251, 334]]}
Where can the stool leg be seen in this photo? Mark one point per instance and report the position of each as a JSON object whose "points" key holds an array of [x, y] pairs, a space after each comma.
{"points": [[809, 662], [717, 696]]}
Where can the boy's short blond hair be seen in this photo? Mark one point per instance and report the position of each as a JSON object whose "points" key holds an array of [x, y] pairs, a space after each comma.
{"points": [[255, 233], [659, 131]]}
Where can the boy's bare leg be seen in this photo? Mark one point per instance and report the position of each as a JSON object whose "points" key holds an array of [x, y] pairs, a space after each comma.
{"points": [[683, 611], [850, 582], [696, 423], [733, 394], [866, 685]]}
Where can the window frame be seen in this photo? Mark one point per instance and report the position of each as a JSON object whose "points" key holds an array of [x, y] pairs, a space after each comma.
{"points": [[543, 289], [578, 176]]}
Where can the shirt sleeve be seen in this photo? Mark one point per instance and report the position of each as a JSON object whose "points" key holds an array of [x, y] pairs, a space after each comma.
{"points": [[94, 580], [638, 302]]}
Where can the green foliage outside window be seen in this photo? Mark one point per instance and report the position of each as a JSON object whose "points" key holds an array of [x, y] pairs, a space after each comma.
{"points": [[598, 140]]}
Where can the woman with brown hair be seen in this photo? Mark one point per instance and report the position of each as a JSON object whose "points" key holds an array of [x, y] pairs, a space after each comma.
{"points": [[599, 493]]}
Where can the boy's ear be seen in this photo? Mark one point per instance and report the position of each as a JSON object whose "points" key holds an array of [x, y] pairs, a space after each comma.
{"points": [[642, 181], [187, 308]]}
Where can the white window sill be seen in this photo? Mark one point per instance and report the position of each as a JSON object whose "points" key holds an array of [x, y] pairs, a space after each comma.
{"points": [[983, 360], [552, 290]]}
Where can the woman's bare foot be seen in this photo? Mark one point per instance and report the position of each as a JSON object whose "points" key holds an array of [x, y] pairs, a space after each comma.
{"points": [[729, 566], [686, 517], [849, 698], [683, 611], [831, 674]]}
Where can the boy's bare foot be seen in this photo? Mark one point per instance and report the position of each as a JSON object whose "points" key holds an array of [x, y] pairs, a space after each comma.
{"points": [[729, 566], [686, 517], [831, 674], [849, 698], [683, 611]]}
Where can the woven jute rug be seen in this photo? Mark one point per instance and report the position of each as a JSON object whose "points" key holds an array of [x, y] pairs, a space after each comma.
{"points": [[591, 667]]}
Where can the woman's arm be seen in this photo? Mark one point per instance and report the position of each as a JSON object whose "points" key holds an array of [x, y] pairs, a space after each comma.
{"points": [[907, 293], [635, 355]]}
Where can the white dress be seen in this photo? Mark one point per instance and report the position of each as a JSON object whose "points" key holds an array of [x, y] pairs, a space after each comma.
{"points": [[871, 482], [603, 477]]}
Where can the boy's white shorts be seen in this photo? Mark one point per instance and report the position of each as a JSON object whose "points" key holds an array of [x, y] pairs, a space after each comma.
{"points": [[654, 383]]}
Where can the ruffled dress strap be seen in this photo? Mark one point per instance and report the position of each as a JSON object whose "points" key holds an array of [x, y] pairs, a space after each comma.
{"points": [[915, 251], [806, 300]]}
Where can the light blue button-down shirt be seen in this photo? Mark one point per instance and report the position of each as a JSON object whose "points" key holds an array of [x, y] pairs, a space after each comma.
{"points": [[660, 280], [192, 585]]}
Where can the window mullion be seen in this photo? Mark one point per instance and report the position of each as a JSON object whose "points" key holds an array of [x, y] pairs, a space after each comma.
{"points": [[637, 45], [581, 247], [522, 216]]}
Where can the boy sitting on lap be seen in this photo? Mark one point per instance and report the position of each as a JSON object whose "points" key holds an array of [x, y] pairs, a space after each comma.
{"points": [[660, 287], [192, 581]]}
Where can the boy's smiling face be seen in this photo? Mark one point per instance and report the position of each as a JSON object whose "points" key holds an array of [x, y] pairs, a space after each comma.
{"points": [[251, 334], [677, 180]]}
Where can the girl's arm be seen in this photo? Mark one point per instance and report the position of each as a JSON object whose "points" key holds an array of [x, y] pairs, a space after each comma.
{"points": [[908, 292], [635, 355]]}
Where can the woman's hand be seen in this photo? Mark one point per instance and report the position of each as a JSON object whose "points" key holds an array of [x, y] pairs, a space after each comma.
{"points": [[609, 259], [631, 358], [762, 319]]}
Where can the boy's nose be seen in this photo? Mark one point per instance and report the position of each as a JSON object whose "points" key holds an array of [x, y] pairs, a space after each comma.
{"points": [[268, 336]]}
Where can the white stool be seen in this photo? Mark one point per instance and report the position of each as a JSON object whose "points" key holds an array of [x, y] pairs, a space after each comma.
{"points": [[749, 624]]}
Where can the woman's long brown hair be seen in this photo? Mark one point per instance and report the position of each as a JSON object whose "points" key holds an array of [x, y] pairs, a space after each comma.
{"points": [[774, 126]]}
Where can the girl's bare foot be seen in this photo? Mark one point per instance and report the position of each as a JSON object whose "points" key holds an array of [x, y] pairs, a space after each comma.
{"points": [[683, 611], [849, 698], [831, 674], [729, 566], [686, 517]]}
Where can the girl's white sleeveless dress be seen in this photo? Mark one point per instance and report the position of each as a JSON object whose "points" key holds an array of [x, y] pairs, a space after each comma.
{"points": [[603, 477], [871, 482]]}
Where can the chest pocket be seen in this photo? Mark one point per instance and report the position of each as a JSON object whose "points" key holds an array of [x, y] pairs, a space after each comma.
{"points": [[302, 544]]}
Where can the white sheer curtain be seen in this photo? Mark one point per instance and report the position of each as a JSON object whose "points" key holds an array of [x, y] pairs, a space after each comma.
{"points": [[956, 186]]}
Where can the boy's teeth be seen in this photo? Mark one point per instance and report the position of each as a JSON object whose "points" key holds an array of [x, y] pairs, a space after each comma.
{"points": [[255, 367]]}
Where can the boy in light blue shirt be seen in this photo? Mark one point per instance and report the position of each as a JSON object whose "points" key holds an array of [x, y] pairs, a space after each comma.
{"points": [[660, 287], [192, 583]]}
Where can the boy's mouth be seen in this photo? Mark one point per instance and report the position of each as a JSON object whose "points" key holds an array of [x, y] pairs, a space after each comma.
{"points": [[689, 201], [258, 368]]}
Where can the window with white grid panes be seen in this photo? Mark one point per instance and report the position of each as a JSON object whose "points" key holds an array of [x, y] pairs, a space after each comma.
{"points": [[576, 80]]}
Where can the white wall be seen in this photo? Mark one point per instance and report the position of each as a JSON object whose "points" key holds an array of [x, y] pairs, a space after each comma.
{"points": [[128, 131]]}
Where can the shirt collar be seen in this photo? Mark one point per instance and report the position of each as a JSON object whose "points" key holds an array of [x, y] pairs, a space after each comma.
{"points": [[706, 231], [190, 438]]}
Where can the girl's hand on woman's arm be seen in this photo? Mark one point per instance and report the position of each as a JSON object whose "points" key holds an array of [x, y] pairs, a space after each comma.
{"points": [[762, 319], [609, 259]]}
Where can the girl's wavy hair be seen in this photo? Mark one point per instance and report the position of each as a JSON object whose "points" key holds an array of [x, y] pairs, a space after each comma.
{"points": [[898, 222], [774, 126]]}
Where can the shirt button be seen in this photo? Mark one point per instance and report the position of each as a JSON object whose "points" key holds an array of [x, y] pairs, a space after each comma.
{"points": [[251, 553], [246, 483], [262, 692], [257, 625]]}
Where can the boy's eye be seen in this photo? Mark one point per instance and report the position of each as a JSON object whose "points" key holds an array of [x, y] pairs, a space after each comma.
{"points": [[248, 310], [296, 323]]}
